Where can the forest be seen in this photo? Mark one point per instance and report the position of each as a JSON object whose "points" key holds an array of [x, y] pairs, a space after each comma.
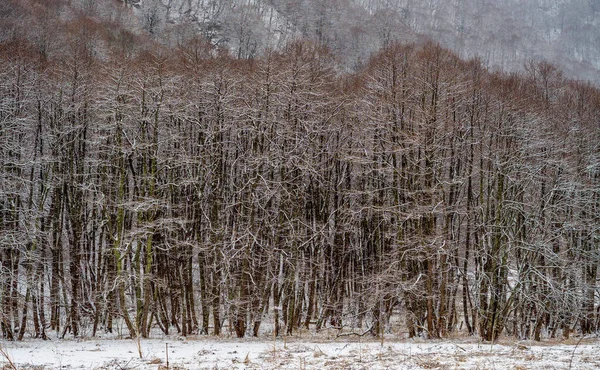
{"points": [[178, 188]]}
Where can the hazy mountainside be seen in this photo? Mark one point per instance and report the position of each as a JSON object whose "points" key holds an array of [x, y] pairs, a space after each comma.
{"points": [[504, 33], [508, 33]]}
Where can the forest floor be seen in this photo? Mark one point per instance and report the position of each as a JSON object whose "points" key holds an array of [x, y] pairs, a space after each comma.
{"points": [[298, 353]]}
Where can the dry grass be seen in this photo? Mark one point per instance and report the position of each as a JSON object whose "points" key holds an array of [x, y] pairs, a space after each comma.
{"points": [[155, 361], [429, 363], [173, 367]]}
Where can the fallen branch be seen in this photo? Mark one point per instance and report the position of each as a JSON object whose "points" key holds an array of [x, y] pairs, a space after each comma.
{"points": [[368, 331]]}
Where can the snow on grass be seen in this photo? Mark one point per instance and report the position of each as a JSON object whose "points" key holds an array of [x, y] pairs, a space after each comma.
{"points": [[295, 353]]}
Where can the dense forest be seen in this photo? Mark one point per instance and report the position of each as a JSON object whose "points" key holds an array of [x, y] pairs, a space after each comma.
{"points": [[179, 189]]}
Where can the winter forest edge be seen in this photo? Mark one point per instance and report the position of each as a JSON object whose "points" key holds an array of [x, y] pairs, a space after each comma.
{"points": [[176, 187]]}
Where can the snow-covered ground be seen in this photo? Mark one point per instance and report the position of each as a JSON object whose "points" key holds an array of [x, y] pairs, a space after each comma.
{"points": [[298, 353]]}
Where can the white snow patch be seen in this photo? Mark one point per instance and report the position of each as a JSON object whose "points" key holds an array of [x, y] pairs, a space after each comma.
{"points": [[295, 353]]}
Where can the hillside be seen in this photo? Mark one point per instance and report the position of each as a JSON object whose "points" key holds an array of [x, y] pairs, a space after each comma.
{"points": [[503, 34], [507, 35]]}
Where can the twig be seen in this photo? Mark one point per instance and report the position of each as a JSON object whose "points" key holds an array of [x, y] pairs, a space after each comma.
{"points": [[138, 342], [116, 363], [167, 352], [11, 364], [575, 349], [461, 348]]}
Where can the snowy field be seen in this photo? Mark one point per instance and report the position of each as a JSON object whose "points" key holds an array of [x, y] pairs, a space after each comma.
{"points": [[340, 353]]}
